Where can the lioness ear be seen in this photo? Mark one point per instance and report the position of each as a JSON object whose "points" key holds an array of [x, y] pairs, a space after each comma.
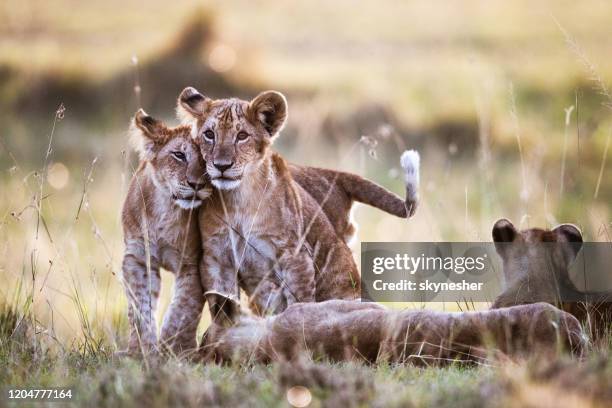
{"points": [[503, 232], [191, 105], [571, 235], [224, 310], [270, 109], [146, 133]]}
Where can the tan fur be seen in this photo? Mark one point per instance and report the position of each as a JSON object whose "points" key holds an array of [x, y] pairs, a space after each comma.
{"points": [[350, 330], [536, 270], [261, 230], [335, 191], [272, 239], [160, 230]]}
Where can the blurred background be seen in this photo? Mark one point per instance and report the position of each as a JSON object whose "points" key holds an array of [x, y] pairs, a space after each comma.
{"points": [[508, 104]]}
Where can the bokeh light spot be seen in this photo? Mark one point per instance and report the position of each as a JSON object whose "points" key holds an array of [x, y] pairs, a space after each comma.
{"points": [[58, 176], [299, 396], [222, 58]]}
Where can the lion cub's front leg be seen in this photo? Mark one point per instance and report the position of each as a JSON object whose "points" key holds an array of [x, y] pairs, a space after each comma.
{"points": [[299, 277], [178, 332], [142, 285], [291, 280], [217, 272]]}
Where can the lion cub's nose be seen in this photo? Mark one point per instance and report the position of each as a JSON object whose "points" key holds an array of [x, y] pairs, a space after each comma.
{"points": [[222, 166], [196, 186]]}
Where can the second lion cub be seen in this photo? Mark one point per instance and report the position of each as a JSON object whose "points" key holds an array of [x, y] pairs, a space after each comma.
{"points": [[161, 231]]}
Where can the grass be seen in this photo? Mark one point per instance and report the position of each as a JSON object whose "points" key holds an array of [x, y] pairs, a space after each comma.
{"points": [[462, 83], [31, 357]]}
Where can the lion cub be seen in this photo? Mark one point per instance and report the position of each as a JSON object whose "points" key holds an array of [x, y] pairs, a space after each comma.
{"points": [[335, 191], [342, 330], [261, 229], [161, 231], [536, 266]]}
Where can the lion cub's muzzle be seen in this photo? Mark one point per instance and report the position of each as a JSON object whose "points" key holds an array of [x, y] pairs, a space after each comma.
{"points": [[189, 198], [224, 176]]}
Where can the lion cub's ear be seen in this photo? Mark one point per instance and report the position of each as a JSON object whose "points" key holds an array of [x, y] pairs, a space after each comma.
{"points": [[568, 233], [224, 310], [270, 109], [571, 237], [191, 105], [503, 232], [147, 134]]}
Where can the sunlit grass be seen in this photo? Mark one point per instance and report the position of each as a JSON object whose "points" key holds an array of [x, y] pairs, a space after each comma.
{"points": [[437, 78]]}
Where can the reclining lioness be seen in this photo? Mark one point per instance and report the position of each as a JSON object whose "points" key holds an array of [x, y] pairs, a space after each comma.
{"points": [[261, 229], [161, 231], [350, 330], [536, 266]]}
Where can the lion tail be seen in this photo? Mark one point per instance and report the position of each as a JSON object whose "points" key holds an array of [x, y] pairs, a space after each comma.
{"points": [[410, 162]]}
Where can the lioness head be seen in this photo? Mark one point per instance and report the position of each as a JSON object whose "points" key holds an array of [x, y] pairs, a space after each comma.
{"points": [[535, 261], [233, 134], [177, 165]]}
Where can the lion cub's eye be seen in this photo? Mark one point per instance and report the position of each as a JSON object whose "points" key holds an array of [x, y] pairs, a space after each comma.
{"points": [[242, 136], [209, 135], [179, 156]]}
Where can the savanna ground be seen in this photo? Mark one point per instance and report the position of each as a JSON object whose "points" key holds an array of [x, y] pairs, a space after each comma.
{"points": [[507, 103]]}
